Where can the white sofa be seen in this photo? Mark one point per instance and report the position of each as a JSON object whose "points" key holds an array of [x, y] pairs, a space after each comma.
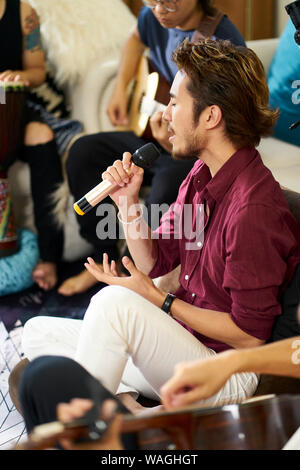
{"points": [[89, 99]]}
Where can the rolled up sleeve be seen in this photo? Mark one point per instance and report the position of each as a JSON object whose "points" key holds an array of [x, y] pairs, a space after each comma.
{"points": [[257, 249]]}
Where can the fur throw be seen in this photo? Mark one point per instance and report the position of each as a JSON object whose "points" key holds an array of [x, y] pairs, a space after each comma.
{"points": [[76, 33]]}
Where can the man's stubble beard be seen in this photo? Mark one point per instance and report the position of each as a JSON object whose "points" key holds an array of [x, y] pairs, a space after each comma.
{"points": [[194, 150]]}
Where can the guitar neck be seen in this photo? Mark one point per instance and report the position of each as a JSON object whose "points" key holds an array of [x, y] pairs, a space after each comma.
{"points": [[47, 435]]}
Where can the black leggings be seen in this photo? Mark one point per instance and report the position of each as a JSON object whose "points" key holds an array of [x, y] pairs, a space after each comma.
{"points": [[90, 156], [50, 380], [45, 177]]}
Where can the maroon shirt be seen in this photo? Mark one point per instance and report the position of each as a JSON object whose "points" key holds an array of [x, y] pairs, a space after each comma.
{"points": [[251, 245]]}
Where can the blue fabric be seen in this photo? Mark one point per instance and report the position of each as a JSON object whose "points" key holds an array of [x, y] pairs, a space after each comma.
{"points": [[64, 129], [162, 41], [284, 72], [16, 270]]}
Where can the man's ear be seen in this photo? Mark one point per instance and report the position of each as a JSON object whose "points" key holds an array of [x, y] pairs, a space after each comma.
{"points": [[212, 116]]}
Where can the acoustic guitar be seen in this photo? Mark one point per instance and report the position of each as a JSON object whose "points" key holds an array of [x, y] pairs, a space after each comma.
{"points": [[148, 93], [263, 423]]}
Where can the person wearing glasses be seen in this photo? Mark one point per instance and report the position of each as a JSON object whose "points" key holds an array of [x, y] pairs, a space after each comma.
{"points": [[161, 26]]}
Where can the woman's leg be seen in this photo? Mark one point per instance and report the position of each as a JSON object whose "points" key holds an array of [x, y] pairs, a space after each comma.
{"points": [[40, 152]]}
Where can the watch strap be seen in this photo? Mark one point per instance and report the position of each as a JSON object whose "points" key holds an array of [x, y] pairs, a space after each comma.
{"points": [[166, 306]]}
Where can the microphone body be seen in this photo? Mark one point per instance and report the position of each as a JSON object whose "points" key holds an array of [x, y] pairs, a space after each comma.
{"points": [[293, 10], [143, 157]]}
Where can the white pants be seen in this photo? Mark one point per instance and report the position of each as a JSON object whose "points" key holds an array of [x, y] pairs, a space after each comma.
{"points": [[128, 344]]}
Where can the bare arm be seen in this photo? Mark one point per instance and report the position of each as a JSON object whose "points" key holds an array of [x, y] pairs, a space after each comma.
{"points": [[198, 380], [34, 68], [216, 325], [33, 72], [139, 238], [131, 55], [141, 244]]}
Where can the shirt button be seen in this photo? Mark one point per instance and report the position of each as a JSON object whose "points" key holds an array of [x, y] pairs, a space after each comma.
{"points": [[186, 277], [193, 295], [199, 244]]}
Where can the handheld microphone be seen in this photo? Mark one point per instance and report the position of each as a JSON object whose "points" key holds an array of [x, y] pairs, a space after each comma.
{"points": [[142, 157], [293, 10]]}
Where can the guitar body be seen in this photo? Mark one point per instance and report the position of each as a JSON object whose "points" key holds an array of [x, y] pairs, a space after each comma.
{"points": [[265, 424], [154, 87], [151, 87]]}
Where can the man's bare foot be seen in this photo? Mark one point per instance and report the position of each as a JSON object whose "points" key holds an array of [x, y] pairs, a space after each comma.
{"points": [[77, 284], [45, 275], [136, 408]]}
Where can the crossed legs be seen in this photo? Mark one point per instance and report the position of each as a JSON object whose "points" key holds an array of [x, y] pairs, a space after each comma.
{"points": [[128, 344]]}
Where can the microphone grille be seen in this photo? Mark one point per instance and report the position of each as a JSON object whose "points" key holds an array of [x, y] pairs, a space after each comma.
{"points": [[146, 155]]}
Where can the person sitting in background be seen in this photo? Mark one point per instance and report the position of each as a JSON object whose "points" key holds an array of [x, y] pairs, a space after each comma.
{"points": [[160, 27], [22, 59]]}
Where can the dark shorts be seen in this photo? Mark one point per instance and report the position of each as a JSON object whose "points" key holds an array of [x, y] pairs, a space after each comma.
{"points": [[31, 115]]}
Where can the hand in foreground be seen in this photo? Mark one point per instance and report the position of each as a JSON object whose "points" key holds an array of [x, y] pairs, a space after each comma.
{"points": [[137, 281], [13, 76], [77, 408], [196, 380]]}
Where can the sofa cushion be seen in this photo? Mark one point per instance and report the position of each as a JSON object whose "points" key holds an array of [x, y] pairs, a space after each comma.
{"points": [[284, 74]]}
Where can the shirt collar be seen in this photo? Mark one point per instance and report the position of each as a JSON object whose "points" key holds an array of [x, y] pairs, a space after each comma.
{"points": [[217, 186]]}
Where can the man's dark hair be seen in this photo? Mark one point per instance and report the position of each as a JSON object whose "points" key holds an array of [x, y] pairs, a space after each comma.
{"points": [[233, 78]]}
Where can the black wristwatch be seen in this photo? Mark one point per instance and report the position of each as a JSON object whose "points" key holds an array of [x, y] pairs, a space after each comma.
{"points": [[166, 306]]}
